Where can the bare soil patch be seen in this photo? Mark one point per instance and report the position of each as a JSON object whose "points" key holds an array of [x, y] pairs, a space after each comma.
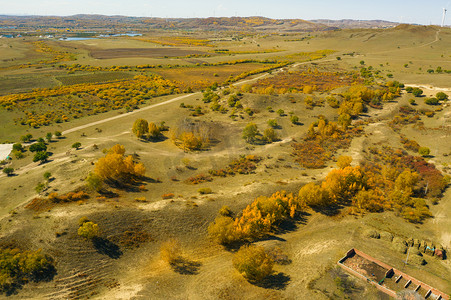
{"points": [[139, 52]]}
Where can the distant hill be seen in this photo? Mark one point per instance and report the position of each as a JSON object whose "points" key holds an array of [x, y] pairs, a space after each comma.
{"points": [[343, 24], [136, 23]]}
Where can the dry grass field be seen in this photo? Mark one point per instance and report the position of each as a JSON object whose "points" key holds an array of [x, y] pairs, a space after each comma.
{"points": [[180, 195]]}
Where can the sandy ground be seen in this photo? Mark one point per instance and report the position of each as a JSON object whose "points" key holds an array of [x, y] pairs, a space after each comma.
{"points": [[5, 150]]}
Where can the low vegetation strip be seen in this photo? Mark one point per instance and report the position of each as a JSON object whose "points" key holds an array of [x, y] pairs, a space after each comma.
{"points": [[143, 52]]}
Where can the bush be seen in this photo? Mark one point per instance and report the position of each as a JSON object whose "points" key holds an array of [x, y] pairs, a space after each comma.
{"points": [[225, 211], [250, 132], [58, 134], [88, 230], [273, 123], [253, 263], [344, 161], [417, 92], [19, 267], [222, 230], [314, 195], [26, 138], [76, 145], [441, 96], [8, 171], [431, 101], [424, 151], [205, 191], [94, 182], [294, 119], [170, 251], [47, 175], [269, 135], [412, 101]]}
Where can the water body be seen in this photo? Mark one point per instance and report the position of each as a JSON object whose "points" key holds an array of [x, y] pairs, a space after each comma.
{"points": [[121, 34], [75, 39]]}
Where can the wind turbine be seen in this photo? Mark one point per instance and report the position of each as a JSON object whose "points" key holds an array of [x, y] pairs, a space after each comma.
{"points": [[444, 16]]}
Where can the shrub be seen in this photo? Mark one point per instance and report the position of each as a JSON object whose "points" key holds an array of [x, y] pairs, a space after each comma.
{"points": [[58, 134], [26, 138], [47, 175], [225, 211], [253, 263], [222, 230], [167, 196], [154, 131], [412, 101], [170, 251], [20, 267], [281, 112], [204, 191], [294, 119], [8, 171], [94, 182], [250, 132], [49, 137], [431, 101], [417, 92], [88, 230], [424, 151], [441, 96], [270, 135], [82, 221], [273, 123], [314, 195], [344, 161], [76, 145]]}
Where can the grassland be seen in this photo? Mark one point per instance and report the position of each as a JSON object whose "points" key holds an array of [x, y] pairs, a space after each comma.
{"points": [[137, 220]]}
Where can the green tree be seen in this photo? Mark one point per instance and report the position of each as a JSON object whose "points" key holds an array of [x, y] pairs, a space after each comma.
{"points": [[26, 138], [8, 171], [41, 156], [38, 147], [424, 151], [250, 132], [140, 128], [58, 134], [76, 145], [253, 263], [273, 123], [88, 230], [49, 136]]}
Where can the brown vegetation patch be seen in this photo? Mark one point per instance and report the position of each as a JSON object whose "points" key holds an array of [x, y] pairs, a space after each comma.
{"points": [[309, 80]]}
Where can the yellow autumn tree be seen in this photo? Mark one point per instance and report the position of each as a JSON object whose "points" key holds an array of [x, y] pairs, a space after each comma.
{"points": [[117, 167]]}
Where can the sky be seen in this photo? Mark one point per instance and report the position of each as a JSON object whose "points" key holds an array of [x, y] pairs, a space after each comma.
{"points": [[406, 11]]}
